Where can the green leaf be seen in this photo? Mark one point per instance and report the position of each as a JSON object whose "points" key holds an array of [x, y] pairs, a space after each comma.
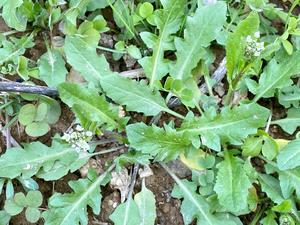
{"points": [[27, 114], [277, 75], [12, 208], [88, 33], [34, 199], [289, 96], [34, 157], [252, 146], [37, 129], [20, 199], [41, 112], [137, 96], [85, 60], [234, 47], [291, 122], [52, 68], [231, 125], [126, 214], [32, 214], [4, 218], [145, 201], [161, 143], [288, 46], [194, 205], [283, 207], [270, 218], [168, 21], [271, 187], [71, 208], [11, 15], [232, 184], [289, 182], [122, 17], [146, 10], [289, 156], [134, 52], [89, 103], [200, 30]]}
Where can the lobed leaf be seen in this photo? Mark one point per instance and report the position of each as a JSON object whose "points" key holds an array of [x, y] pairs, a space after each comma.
{"points": [[91, 105], [162, 143], [289, 156], [136, 96], [52, 68], [232, 184], [71, 208], [168, 21], [276, 75], [230, 126], [291, 122], [201, 29]]}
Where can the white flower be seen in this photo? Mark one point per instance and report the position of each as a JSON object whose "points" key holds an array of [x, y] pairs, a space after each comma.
{"points": [[89, 133], [257, 34], [249, 39], [79, 128], [78, 139]]}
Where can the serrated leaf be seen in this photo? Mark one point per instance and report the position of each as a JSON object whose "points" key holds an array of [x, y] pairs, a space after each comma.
{"points": [[11, 15], [168, 21], [277, 75], [291, 122], [232, 184], [271, 187], [137, 96], [145, 201], [71, 208], [289, 96], [234, 46], [194, 205], [34, 157], [289, 156], [52, 68], [231, 125], [126, 214], [85, 60], [162, 143], [200, 30], [89, 103]]}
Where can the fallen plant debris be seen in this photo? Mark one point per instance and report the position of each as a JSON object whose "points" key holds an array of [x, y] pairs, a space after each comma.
{"points": [[149, 112]]}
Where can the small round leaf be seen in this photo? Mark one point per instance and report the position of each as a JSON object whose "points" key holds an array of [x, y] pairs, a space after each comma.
{"points": [[41, 112], [32, 214], [20, 199], [146, 9], [37, 129], [34, 198], [12, 208], [27, 114]]}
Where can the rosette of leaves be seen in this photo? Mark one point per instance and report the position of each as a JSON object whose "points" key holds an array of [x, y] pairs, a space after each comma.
{"points": [[37, 117], [31, 203]]}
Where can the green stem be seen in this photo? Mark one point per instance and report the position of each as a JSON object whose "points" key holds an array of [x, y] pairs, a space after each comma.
{"points": [[257, 216], [105, 151], [175, 114], [110, 50]]}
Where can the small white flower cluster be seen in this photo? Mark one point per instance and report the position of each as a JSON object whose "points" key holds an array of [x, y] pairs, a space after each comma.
{"points": [[254, 47], [78, 138]]}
